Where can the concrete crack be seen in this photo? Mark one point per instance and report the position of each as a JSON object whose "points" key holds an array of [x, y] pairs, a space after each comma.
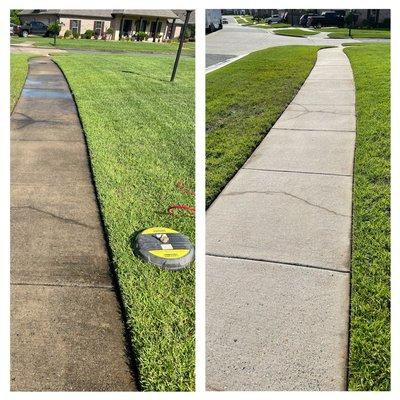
{"points": [[63, 219], [27, 120], [273, 192], [305, 110]]}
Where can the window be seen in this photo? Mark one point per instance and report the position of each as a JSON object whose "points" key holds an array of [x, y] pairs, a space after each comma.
{"points": [[143, 25], [75, 26], [98, 28], [153, 28], [127, 27]]}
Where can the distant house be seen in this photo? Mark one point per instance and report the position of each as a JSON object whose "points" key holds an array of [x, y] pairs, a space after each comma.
{"points": [[165, 24], [373, 17], [191, 23]]}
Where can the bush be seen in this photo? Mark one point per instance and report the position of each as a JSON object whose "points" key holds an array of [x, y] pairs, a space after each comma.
{"points": [[75, 35], [110, 31], [88, 34], [385, 23], [142, 36], [54, 29], [190, 32], [67, 34]]}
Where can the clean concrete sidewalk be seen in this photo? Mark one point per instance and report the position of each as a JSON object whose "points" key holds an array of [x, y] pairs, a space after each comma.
{"points": [[279, 245], [67, 333]]}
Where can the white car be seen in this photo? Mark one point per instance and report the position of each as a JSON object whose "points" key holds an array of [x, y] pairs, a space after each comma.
{"points": [[274, 19], [12, 29]]}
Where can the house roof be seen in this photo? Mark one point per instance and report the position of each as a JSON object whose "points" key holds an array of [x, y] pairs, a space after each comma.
{"points": [[81, 13], [102, 13], [147, 13], [182, 14]]}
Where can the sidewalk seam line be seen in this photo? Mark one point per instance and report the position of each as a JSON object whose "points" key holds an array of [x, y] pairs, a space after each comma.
{"points": [[296, 172], [316, 130], [77, 285], [280, 262]]}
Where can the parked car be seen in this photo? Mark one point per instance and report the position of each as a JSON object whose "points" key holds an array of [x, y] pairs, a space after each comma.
{"points": [[304, 18], [32, 28], [12, 29], [274, 19], [213, 20], [224, 21], [327, 18]]}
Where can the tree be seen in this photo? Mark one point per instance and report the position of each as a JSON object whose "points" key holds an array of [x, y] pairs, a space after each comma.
{"points": [[54, 29], [349, 20], [14, 17]]}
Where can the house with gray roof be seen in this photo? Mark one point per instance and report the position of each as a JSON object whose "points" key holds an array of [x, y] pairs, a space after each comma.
{"points": [[125, 24]]}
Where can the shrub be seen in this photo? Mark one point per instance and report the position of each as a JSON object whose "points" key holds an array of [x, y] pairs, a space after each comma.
{"points": [[67, 34], [365, 23], [385, 23], [75, 35], [190, 32], [54, 29], [142, 36], [88, 34], [110, 31]]}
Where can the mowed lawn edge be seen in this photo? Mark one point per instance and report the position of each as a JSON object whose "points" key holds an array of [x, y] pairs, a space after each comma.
{"points": [[369, 349], [295, 32], [343, 33], [108, 45], [140, 133], [243, 101], [18, 72]]}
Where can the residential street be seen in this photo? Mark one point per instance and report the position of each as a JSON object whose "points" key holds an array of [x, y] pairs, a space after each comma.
{"points": [[234, 40]]}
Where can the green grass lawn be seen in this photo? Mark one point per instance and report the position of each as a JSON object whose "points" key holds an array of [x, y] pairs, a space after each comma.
{"points": [[343, 33], [247, 20], [18, 72], [295, 32], [243, 101], [140, 133], [108, 45], [270, 26], [369, 362], [241, 19]]}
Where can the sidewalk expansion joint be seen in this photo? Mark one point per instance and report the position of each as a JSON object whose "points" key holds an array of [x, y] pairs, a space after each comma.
{"points": [[297, 172], [63, 219], [330, 79], [48, 140], [273, 192], [317, 130], [43, 184], [293, 264], [73, 285]]}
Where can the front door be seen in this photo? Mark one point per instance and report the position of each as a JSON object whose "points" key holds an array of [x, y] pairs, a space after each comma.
{"points": [[127, 27]]}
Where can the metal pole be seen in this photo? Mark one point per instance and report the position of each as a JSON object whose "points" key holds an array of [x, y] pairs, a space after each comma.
{"points": [[178, 54]]}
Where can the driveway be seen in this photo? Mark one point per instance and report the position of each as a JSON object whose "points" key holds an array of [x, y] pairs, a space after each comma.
{"points": [[235, 40], [28, 47]]}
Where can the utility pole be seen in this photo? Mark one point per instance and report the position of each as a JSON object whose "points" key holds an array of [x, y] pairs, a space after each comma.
{"points": [[182, 37]]}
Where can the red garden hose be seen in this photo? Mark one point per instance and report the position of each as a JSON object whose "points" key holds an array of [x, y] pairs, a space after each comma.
{"points": [[181, 186]]}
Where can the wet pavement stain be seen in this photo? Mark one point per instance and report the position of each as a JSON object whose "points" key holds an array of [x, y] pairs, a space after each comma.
{"points": [[46, 94]]}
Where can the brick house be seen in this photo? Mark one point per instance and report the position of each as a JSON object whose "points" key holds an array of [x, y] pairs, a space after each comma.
{"points": [[124, 23]]}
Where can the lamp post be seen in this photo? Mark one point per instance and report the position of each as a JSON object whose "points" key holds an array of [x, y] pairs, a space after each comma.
{"points": [[55, 29], [349, 20], [181, 39]]}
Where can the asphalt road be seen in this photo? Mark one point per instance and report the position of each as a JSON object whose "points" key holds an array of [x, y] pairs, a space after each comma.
{"points": [[234, 40]]}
